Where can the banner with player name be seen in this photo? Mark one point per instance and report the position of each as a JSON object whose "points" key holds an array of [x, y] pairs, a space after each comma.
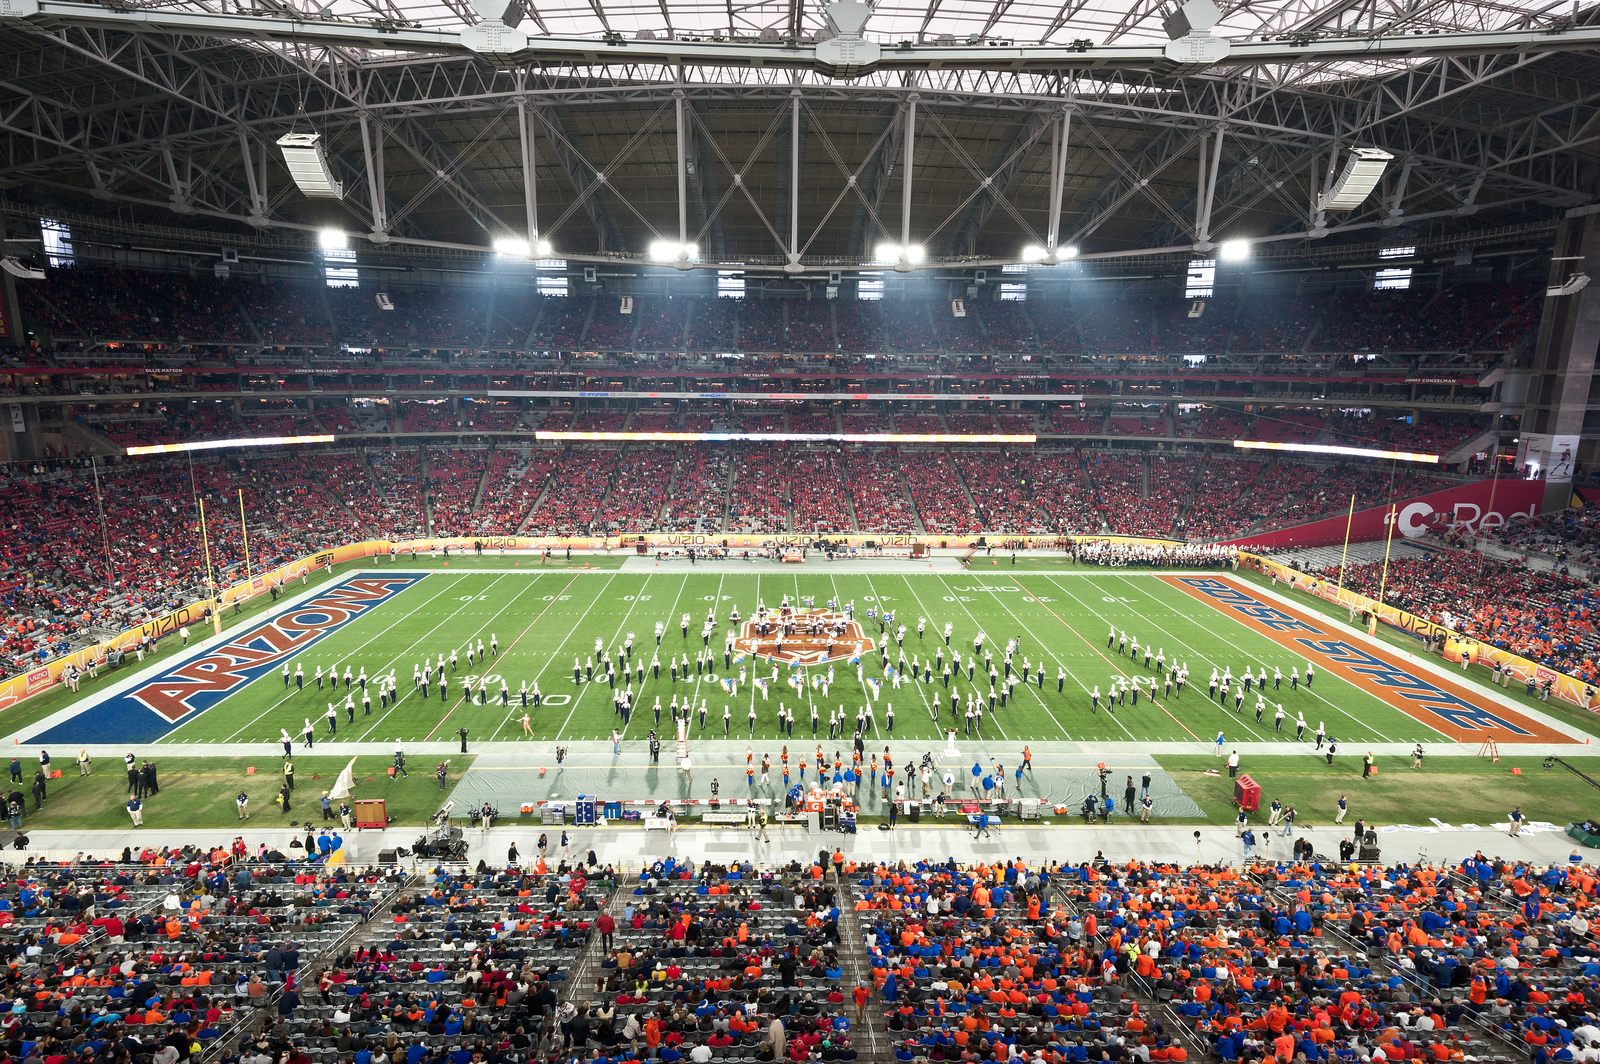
{"points": [[1567, 688], [1478, 507]]}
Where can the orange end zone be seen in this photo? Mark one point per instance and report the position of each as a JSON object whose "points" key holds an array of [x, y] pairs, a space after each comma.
{"points": [[1454, 710]]}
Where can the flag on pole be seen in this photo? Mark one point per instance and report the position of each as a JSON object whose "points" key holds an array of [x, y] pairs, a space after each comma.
{"points": [[345, 783]]}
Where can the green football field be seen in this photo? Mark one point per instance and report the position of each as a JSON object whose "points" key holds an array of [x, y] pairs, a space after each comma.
{"points": [[543, 620]]}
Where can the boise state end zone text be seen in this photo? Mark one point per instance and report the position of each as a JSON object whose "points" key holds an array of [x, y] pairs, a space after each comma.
{"points": [[192, 685], [1416, 693]]}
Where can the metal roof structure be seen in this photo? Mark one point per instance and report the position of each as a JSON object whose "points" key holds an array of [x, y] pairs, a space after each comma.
{"points": [[779, 134]]}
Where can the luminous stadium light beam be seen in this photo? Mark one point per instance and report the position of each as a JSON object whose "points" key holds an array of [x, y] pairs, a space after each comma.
{"points": [[783, 437], [1329, 448], [217, 445]]}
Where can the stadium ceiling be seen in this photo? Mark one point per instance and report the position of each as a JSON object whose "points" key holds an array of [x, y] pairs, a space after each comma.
{"points": [[771, 136]]}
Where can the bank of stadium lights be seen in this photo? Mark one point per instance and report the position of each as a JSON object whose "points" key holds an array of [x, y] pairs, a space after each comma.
{"points": [[1034, 253], [673, 251], [901, 258], [333, 240], [515, 247], [1233, 250]]}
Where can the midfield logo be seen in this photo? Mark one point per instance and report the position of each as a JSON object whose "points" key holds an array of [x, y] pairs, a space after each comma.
{"points": [[805, 648]]}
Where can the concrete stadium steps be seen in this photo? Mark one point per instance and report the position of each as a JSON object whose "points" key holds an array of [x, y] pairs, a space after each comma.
{"points": [[870, 1035]]}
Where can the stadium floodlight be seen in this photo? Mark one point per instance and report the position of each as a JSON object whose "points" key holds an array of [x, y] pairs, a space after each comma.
{"points": [[1361, 174], [673, 251], [1065, 252], [899, 257], [334, 240], [1235, 250], [1034, 253], [307, 160]]}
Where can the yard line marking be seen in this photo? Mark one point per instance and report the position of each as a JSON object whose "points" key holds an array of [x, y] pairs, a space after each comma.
{"points": [[638, 707], [403, 617], [1092, 646], [514, 599], [1001, 601], [716, 601], [415, 643], [955, 674], [1221, 709], [583, 689], [517, 639], [994, 715], [1357, 721], [549, 658], [931, 706]]}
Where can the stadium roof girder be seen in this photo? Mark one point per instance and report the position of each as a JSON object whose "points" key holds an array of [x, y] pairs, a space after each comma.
{"points": [[386, 33], [215, 124]]}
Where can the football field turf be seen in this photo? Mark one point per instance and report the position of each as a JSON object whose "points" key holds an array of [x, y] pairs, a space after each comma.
{"points": [[544, 620]]}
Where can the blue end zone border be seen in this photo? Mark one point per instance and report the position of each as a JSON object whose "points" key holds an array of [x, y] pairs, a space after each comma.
{"points": [[146, 709]]}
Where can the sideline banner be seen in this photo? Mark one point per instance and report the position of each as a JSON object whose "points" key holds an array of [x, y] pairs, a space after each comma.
{"points": [[753, 541], [1478, 507], [1567, 688]]}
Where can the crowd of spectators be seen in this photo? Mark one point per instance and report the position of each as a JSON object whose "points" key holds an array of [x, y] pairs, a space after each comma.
{"points": [[697, 493], [574, 493], [169, 951], [1121, 499], [1544, 616], [760, 497], [130, 305], [940, 496], [721, 963], [878, 492], [454, 475], [260, 956], [1568, 537], [513, 484]]}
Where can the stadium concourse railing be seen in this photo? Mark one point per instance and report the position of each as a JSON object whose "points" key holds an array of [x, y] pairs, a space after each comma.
{"points": [[1453, 644]]}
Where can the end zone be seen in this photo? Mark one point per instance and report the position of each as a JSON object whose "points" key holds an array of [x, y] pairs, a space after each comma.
{"points": [[1454, 710], [154, 702]]}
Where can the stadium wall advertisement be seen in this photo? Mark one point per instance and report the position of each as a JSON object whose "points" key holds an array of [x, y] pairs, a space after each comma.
{"points": [[1478, 507], [1567, 688]]}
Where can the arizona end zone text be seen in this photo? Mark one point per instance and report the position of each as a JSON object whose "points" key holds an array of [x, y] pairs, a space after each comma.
{"points": [[150, 709], [1443, 710]]}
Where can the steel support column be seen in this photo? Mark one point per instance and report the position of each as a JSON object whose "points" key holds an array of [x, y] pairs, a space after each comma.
{"points": [[905, 175], [530, 188], [794, 176], [679, 105], [1208, 194], [1058, 179], [373, 151]]}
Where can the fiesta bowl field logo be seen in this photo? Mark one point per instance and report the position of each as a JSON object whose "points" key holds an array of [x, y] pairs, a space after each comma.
{"points": [[811, 634]]}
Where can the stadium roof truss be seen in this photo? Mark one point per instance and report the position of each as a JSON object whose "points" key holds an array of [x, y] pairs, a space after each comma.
{"points": [[972, 128]]}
